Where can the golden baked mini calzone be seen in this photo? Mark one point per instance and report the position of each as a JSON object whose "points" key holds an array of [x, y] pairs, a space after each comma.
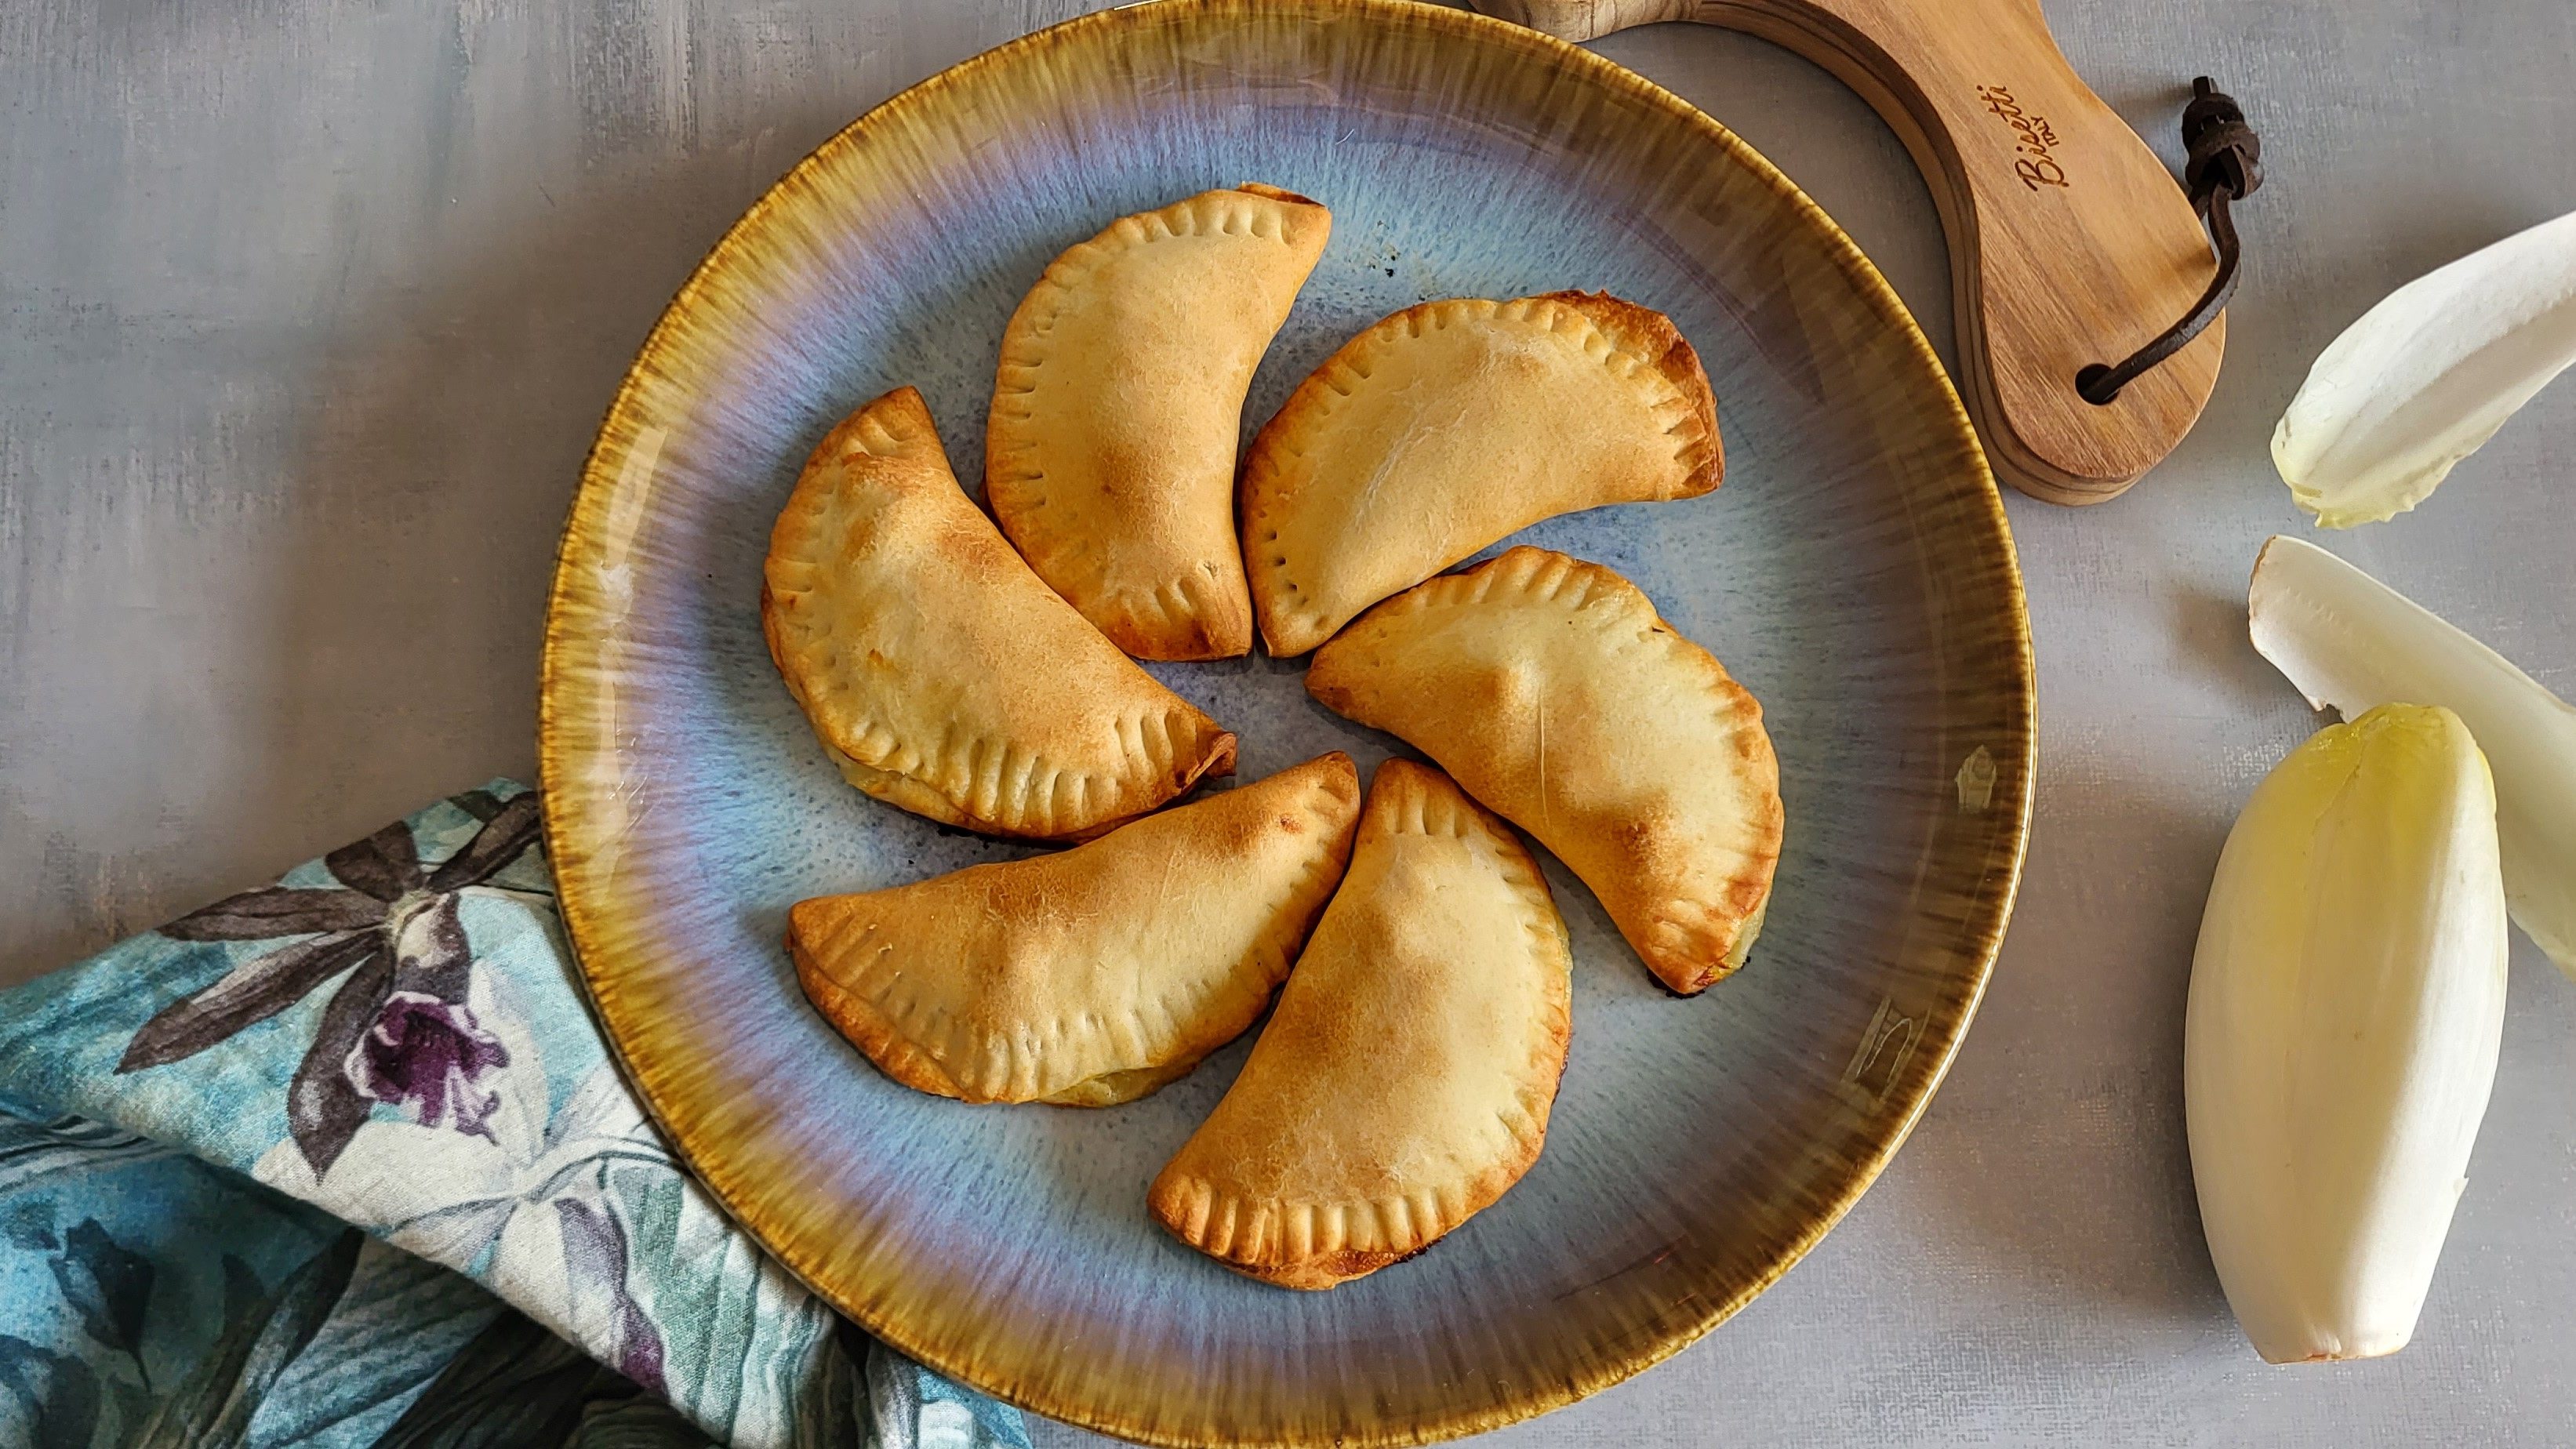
{"points": [[1109, 456], [1093, 975], [1552, 690], [1455, 424], [1404, 1082], [939, 672]]}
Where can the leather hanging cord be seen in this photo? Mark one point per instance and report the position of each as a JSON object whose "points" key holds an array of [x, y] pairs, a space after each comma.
{"points": [[2225, 163]]}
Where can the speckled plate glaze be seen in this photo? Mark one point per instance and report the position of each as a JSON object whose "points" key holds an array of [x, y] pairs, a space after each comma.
{"points": [[1854, 571]]}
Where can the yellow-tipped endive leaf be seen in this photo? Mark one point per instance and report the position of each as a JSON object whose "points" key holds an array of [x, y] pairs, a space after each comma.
{"points": [[2428, 375], [2350, 642], [2347, 1000]]}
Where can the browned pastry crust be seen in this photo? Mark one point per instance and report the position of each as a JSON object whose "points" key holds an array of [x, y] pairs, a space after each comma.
{"points": [[1404, 1082], [1557, 696], [1109, 455], [1452, 425], [941, 674], [1093, 975]]}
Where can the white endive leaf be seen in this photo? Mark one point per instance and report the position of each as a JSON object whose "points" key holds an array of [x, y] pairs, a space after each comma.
{"points": [[2351, 643], [2428, 375], [2347, 1002]]}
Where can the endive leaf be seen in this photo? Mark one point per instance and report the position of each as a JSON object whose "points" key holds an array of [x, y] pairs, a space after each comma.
{"points": [[2428, 375], [2347, 1003], [2350, 643]]}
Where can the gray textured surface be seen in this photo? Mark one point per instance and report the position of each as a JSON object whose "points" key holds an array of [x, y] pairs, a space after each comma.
{"points": [[307, 312]]}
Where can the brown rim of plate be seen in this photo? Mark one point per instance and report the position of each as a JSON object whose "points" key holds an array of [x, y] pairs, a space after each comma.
{"points": [[1918, 1078]]}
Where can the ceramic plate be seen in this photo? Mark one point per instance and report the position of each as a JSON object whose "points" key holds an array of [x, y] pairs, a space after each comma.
{"points": [[1854, 571]]}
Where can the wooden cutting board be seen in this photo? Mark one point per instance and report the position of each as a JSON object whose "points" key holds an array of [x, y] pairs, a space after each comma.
{"points": [[2070, 243]]}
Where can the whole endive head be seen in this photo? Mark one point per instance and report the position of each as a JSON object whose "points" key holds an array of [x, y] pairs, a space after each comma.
{"points": [[2347, 999], [2349, 641]]}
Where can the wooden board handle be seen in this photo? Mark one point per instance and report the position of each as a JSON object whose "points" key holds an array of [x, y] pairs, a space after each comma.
{"points": [[2070, 243]]}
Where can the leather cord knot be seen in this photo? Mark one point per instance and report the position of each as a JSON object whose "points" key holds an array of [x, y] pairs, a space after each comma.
{"points": [[2225, 163], [2225, 152]]}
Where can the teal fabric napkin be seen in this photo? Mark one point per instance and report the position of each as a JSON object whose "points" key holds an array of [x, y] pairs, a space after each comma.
{"points": [[343, 1161]]}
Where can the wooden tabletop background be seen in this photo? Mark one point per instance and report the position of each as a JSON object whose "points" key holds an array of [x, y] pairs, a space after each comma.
{"points": [[307, 312]]}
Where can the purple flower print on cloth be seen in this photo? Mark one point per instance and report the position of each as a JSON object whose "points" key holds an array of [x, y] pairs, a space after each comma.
{"points": [[390, 929], [393, 1037], [431, 1056]]}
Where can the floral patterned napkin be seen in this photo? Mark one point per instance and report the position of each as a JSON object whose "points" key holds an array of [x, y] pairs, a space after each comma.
{"points": [[343, 1161]]}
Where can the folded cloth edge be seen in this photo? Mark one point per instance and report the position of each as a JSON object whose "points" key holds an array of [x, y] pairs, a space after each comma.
{"points": [[393, 1033]]}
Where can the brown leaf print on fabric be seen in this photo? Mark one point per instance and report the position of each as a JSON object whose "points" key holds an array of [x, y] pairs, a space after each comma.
{"points": [[324, 1108]]}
